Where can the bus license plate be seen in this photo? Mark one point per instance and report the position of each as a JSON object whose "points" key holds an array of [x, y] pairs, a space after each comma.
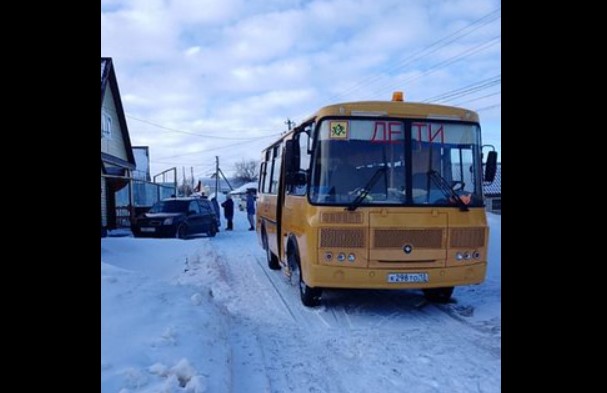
{"points": [[146, 229], [408, 277]]}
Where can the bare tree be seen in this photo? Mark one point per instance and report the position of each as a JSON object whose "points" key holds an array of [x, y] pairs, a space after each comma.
{"points": [[185, 188], [246, 171]]}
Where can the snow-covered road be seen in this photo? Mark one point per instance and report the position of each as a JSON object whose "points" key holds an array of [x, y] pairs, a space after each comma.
{"points": [[262, 339]]}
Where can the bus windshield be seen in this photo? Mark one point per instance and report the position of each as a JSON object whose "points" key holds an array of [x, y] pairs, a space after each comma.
{"points": [[396, 162]]}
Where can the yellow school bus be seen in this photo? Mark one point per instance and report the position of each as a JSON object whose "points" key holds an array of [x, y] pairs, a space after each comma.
{"points": [[377, 195]]}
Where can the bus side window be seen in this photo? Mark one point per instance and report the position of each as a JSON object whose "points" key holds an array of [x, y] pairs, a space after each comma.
{"points": [[304, 163], [276, 167]]}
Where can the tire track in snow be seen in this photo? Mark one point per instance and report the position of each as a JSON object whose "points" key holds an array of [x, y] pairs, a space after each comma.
{"points": [[289, 341], [278, 292], [289, 296], [248, 368]]}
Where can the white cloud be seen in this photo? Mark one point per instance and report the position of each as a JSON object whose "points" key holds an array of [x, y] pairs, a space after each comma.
{"points": [[265, 37], [217, 65], [137, 36], [204, 12], [192, 51]]}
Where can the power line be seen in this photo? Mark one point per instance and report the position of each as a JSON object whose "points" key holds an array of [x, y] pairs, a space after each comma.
{"points": [[221, 147], [477, 24], [465, 90], [187, 132], [180, 131], [424, 52], [469, 52], [486, 108], [478, 98]]}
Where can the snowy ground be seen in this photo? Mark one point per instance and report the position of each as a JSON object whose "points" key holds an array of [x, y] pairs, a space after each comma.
{"points": [[207, 315]]}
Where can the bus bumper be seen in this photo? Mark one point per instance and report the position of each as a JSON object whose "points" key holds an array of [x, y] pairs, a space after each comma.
{"points": [[343, 277]]}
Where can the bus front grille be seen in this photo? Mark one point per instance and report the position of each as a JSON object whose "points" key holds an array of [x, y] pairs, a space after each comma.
{"points": [[341, 218], [467, 237], [343, 238], [418, 238]]}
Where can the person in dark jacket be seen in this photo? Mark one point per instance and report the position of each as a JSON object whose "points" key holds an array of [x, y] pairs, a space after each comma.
{"points": [[228, 211], [251, 209]]}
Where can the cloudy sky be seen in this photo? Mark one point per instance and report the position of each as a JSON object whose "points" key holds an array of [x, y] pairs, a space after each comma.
{"points": [[206, 78]]}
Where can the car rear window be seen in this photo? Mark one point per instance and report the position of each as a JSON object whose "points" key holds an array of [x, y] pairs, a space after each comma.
{"points": [[170, 207]]}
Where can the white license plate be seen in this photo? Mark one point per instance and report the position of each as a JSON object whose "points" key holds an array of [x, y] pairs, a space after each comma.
{"points": [[146, 229], [408, 277]]}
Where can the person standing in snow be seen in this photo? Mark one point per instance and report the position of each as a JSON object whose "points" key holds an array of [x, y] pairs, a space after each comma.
{"points": [[228, 211], [251, 209]]}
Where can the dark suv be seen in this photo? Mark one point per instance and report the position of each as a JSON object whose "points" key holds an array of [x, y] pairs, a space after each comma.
{"points": [[177, 217]]}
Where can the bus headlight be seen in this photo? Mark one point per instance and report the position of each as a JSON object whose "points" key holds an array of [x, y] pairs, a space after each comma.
{"points": [[459, 256], [476, 255], [351, 257], [328, 256], [341, 257]]}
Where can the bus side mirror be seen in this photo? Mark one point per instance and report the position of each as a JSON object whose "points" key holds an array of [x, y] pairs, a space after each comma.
{"points": [[490, 166]]}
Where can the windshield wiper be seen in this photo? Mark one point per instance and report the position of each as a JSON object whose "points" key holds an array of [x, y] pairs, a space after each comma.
{"points": [[367, 188], [443, 185]]}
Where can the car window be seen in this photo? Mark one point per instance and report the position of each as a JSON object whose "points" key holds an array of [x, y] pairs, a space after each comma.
{"points": [[206, 207], [169, 207], [195, 206]]}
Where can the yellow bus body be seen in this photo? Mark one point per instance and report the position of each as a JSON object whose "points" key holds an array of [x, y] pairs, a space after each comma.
{"points": [[375, 235], [443, 231]]}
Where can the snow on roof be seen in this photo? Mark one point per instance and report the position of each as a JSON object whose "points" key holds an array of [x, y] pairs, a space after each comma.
{"points": [[242, 189], [103, 63]]}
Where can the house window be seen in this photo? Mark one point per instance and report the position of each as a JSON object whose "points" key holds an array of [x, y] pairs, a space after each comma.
{"points": [[106, 126]]}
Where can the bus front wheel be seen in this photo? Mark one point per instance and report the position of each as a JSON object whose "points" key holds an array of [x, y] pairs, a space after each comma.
{"points": [[438, 295], [310, 297], [270, 257]]}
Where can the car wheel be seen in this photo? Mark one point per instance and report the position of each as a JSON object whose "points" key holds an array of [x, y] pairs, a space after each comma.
{"points": [[438, 295], [212, 230], [310, 297], [182, 232]]}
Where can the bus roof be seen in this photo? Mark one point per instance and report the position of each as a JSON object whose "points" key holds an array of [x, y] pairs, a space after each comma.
{"points": [[414, 110], [398, 109]]}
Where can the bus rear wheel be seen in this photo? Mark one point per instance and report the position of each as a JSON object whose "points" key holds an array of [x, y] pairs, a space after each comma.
{"points": [[438, 295], [310, 297]]}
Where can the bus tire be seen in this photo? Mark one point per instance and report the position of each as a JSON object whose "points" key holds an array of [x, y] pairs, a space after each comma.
{"points": [[270, 257], [438, 295], [310, 297]]}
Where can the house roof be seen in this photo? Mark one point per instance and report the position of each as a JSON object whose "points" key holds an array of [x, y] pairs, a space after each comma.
{"points": [[108, 78], [495, 188], [242, 189]]}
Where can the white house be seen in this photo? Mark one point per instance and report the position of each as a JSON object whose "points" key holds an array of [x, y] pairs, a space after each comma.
{"points": [[117, 159]]}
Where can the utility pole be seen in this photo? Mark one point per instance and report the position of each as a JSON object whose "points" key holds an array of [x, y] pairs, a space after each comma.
{"points": [[183, 183], [289, 123], [192, 172], [217, 177], [226, 179]]}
